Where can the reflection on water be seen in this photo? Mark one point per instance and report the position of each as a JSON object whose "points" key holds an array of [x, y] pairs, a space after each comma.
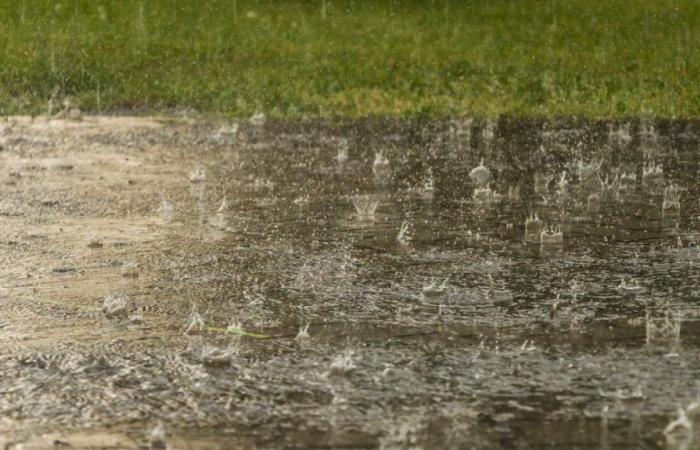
{"points": [[421, 284]]}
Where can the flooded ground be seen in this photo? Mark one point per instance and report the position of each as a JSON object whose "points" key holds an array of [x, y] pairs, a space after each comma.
{"points": [[456, 284]]}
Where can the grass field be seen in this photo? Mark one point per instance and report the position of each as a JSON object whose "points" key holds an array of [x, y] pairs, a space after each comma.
{"points": [[312, 58]]}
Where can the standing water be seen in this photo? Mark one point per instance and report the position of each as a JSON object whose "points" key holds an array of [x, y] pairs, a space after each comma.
{"points": [[362, 285]]}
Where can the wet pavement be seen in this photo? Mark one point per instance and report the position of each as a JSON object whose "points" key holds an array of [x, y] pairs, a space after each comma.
{"points": [[370, 284]]}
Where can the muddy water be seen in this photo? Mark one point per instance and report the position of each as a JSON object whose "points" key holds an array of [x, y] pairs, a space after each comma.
{"points": [[462, 331]]}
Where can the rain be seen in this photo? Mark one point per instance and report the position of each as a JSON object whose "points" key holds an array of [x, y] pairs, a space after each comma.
{"points": [[262, 277]]}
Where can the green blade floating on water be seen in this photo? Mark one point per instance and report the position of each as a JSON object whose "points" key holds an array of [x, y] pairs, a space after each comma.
{"points": [[238, 331]]}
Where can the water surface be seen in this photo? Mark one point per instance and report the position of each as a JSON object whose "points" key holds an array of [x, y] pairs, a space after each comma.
{"points": [[591, 342]]}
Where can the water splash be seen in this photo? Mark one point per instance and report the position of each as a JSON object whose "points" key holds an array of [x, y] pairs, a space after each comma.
{"points": [[436, 288], [137, 318], [115, 306], [198, 175], [70, 111], [301, 200], [662, 330], [551, 235], [671, 206], [212, 355], [630, 287], [381, 164], [498, 297], [627, 183], [485, 195], [95, 242], [533, 229], [260, 184], [403, 435], [196, 322], [223, 207], [258, 119], [130, 269], [220, 219], [342, 156], [480, 174], [166, 210], [648, 138], [226, 134], [513, 193], [342, 364], [682, 424], [619, 136], [428, 187], [404, 237], [593, 203], [588, 171], [652, 176], [365, 207], [562, 185], [156, 439], [303, 338], [541, 183], [488, 134]]}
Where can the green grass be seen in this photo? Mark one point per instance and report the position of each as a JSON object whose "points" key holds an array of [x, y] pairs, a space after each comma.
{"points": [[592, 58]]}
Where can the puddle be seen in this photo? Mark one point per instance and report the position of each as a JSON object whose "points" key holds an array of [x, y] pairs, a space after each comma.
{"points": [[497, 285]]}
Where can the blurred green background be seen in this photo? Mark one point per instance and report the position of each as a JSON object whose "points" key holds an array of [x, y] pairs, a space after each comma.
{"points": [[324, 58]]}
